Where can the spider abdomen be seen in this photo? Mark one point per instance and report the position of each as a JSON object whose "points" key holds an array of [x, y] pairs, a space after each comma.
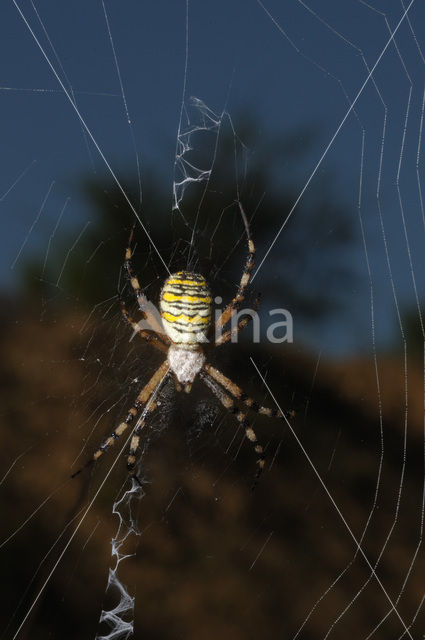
{"points": [[185, 304]]}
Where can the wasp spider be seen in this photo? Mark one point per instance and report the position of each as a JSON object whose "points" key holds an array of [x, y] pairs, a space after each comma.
{"points": [[185, 304]]}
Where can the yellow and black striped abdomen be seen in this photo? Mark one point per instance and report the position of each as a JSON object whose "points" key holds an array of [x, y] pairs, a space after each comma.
{"points": [[185, 305]]}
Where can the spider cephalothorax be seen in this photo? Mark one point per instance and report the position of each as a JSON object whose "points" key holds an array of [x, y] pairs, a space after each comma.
{"points": [[185, 304]]}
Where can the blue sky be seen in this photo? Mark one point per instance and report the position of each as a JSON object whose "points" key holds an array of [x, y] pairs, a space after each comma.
{"points": [[290, 64]]}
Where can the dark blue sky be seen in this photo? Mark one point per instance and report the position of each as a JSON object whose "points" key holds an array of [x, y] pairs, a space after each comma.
{"points": [[289, 63]]}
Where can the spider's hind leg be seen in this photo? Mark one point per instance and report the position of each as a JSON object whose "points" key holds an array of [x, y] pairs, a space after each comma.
{"points": [[145, 307], [134, 281], [236, 302], [228, 335], [153, 337]]}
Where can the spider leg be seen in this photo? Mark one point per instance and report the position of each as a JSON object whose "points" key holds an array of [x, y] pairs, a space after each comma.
{"points": [[141, 299], [241, 416], [150, 336], [135, 439], [234, 305], [239, 394], [228, 335], [144, 305], [141, 400]]}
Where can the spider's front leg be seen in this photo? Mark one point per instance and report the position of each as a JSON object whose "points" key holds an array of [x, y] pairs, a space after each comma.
{"points": [[219, 384], [239, 394], [142, 400], [135, 439], [229, 404]]}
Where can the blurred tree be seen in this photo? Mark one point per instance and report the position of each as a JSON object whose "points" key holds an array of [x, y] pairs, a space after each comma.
{"points": [[413, 331], [306, 271]]}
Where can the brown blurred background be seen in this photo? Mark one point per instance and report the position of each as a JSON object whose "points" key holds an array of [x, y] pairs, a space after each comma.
{"points": [[214, 560]]}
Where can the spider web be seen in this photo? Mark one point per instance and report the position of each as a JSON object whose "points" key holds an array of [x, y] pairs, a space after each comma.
{"points": [[310, 115]]}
